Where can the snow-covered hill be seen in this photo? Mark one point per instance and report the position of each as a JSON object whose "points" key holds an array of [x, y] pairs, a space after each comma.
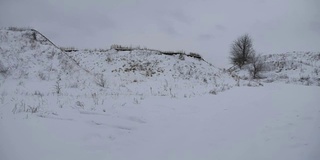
{"points": [[150, 72], [31, 66], [34, 72], [296, 67], [301, 68], [36, 75], [147, 104]]}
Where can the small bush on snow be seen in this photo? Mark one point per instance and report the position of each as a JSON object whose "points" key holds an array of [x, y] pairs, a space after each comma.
{"points": [[214, 92], [18, 28], [22, 107], [283, 76], [80, 104], [3, 70], [171, 53], [257, 66], [181, 57], [99, 80], [68, 49], [42, 76], [316, 71], [269, 80], [123, 48], [57, 86], [195, 55], [109, 59], [32, 109]]}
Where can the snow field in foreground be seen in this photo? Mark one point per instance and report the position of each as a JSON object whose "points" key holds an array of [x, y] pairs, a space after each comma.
{"points": [[276, 121]]}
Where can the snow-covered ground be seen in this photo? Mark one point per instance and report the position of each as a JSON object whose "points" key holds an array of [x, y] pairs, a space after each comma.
{"points": [[272, 122], [143, 104]]}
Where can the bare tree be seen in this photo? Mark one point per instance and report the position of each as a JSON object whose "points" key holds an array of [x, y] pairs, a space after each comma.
{"points": [[241, 51], [257, 66]]}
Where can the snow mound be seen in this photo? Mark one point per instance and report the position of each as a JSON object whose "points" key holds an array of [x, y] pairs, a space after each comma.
{"points": [[153, 73], [293, 67]]}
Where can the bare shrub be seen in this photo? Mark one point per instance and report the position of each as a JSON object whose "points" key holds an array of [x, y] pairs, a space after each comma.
{"points": [[172, 53], [195, 55], [214, 92], [69, 49], [181, 57], [51, 54], [136, 101], [150, 72], [95, 98], [109, 59], [122, 48], [38, 93], [42, 76], [80, 104], [269, 80], [205, 80], [316, 71], [3, 69], [100, 80], [304, 78], [103, 50], [257, 66], [146, 69], [33, 109], [283, 76], [21, 107], [57, 86], [18, 28]]}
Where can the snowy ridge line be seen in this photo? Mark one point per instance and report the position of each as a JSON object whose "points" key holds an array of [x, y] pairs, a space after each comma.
{"points": [[45, 38], [59, 49], [116, 47]]}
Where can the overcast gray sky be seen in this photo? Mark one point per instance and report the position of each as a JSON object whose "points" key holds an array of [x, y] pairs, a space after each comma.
{"points": [[207, 27]]}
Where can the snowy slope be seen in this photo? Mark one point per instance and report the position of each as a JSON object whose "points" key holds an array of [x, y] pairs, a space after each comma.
{"points": [[149, 72], [293, 67], [38, 76], [296, 67], [34, 72]]}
